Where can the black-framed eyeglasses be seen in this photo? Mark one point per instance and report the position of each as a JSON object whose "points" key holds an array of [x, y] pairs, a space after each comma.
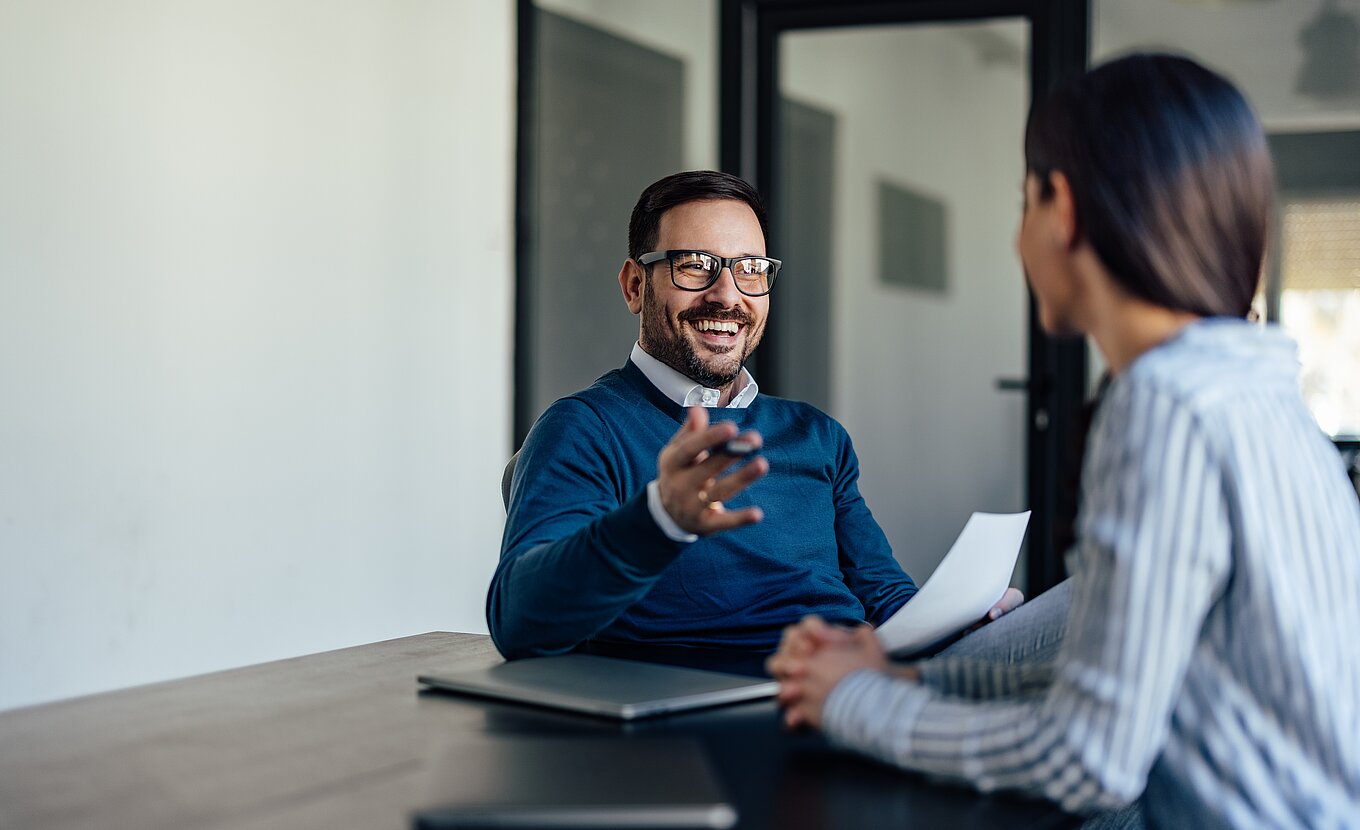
{"points": [[697, 270]]}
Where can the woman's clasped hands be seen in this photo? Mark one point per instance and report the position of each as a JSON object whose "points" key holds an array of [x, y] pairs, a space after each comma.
{"points": [[813, 657]]}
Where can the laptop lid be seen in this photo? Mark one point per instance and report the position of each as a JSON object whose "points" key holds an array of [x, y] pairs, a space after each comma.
{"points": [[623, 689], [576, 782]]}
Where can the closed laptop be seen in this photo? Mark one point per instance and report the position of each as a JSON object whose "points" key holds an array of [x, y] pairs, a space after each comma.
{"points": [[623, 689]]}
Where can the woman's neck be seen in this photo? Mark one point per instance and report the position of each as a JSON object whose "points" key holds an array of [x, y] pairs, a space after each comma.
{"points": [[1124, 327]]}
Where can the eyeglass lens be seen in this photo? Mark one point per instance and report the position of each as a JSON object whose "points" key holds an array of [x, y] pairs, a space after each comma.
{"points": [[696, 270]]}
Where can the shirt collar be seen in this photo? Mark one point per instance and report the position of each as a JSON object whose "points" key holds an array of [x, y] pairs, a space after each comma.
{"points": [[685, 391]]}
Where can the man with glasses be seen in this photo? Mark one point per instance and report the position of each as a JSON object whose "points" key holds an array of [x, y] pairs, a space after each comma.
{"points": [[637, 524]]}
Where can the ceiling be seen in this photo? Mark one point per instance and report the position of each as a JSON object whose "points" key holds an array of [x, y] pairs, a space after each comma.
{"points": [[1257, 43]]}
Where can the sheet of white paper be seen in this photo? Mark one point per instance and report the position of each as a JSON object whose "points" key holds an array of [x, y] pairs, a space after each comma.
{"points": [[971, 579]]}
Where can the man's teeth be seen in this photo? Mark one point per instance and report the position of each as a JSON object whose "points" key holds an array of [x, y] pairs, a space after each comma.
{"points": [[727, 327]]}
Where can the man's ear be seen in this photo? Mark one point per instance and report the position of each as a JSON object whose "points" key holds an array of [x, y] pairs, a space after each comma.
{"points": [[1064, 210], [631, 276]]}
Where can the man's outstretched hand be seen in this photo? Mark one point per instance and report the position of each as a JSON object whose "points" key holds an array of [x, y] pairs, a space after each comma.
{"points": [[1009, 601], [690, 476]]}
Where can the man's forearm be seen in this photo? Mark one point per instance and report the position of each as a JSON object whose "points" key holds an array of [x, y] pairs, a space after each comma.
{"points": [[547, 598]]}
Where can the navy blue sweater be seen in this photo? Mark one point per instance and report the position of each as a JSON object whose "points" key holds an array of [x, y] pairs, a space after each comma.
{"points": [[583, 560]]}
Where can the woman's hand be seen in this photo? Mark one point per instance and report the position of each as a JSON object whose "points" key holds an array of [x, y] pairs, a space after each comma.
{"points": [[812, 658]]}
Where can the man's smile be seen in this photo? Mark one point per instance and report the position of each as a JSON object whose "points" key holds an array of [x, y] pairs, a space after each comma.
{"points": [[722, 333]]}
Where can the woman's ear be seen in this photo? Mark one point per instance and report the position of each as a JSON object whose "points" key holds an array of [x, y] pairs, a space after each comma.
{"points": [[1064, 210], [631, 276]]}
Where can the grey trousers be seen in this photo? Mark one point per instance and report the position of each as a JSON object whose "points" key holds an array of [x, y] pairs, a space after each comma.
{"points": [[1033, 633]]}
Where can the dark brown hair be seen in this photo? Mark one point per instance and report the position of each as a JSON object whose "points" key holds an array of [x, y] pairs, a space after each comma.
{"points": [[1171, 178], [679, 188]]}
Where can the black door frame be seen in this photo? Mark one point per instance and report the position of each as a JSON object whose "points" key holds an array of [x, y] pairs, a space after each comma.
{"points": [[749, 33]]}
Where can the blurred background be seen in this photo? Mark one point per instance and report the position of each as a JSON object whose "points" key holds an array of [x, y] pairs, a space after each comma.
{"points": [[283, 285]]}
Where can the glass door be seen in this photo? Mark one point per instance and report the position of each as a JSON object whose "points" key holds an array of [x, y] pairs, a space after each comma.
{"points": [[889, 139]]}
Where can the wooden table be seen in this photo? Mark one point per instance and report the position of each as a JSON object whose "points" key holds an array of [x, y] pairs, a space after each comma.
{"points": [[345, 738]]}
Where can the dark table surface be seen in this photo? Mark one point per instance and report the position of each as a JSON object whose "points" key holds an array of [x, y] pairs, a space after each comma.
{"points": [[347, 739]]}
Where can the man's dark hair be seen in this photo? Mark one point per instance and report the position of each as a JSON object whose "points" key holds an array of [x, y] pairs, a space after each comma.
{"points": [[679, 188], [1170, 175]]}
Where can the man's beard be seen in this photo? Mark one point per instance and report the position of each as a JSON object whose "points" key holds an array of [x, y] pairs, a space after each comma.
{"points": [[673, 349]]}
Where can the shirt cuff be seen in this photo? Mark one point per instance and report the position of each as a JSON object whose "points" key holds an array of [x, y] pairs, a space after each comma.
{"points": [[663, 519], [873, 713]]}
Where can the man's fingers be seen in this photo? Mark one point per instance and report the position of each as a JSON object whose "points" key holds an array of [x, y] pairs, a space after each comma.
{"points": [[728, 486], [1009, 601], [693, 441], [717, 518], [704, 477], [690, 469], [689, 444], [707, 448], [696, 440], [696, 419]]}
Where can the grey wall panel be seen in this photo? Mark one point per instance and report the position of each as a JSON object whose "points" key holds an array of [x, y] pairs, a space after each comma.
{"points": [[912, 240], [801, 301], [608, 122]]}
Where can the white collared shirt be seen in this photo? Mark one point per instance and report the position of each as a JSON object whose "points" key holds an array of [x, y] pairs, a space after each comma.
{"points": [[685, 392]]}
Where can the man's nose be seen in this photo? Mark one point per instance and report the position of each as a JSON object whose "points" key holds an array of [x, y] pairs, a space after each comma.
{"points": [[724, 288]]}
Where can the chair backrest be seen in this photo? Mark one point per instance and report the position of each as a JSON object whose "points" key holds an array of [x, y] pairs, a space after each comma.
{"points": [[506, 478]]}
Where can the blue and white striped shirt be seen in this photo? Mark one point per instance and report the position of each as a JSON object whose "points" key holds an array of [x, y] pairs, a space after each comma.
{"points": [[1210, 651]]}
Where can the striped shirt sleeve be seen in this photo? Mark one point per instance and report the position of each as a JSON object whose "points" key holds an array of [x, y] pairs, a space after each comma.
{"points": [[1153, 558], [984, 680]]}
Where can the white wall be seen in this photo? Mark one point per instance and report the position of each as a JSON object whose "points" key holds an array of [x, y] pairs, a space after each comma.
{"points": [[914, 371], [255, 327]]}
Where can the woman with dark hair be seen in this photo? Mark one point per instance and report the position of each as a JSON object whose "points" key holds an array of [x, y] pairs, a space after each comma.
{"points": [[1208, 662]]}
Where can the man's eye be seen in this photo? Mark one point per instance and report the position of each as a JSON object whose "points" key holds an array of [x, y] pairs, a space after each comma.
{"points": [[694, 263]]}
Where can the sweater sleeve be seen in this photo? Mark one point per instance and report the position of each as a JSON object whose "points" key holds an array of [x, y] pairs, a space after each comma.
{"points": [[866, 558], [1154, 554], [577, 551]]}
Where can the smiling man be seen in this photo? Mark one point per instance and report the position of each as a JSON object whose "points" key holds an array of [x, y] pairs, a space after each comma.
{"points": [[633, 527]]}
